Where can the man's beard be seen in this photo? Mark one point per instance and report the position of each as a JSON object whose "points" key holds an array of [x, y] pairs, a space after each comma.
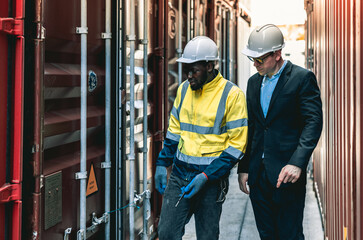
{"points": [[199, 85]]}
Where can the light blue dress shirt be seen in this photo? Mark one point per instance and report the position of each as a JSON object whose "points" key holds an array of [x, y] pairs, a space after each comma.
{"points": [[267, 88]]}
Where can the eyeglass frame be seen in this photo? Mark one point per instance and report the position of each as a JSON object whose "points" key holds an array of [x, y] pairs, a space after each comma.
{"points": [[260, 60]]}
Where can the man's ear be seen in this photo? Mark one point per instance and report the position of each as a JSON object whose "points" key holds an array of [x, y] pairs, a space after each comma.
{"points": [[210, 67], [278, 55]]}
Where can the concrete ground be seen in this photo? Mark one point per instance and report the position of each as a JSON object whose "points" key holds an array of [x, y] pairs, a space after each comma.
{"points": [[238, 223]]}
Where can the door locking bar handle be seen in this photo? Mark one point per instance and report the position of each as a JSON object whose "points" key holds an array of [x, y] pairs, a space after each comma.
{"points": [[12, 26], [67, 232], [10, 192], [97, 221]]}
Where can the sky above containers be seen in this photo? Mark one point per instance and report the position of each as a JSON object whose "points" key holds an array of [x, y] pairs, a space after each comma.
{"points": [[278, 12]]}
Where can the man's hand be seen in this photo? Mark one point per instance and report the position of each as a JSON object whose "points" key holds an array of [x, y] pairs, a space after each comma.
{"points": [[289, 173], [242, 180], [160, 179], [195, 185]]}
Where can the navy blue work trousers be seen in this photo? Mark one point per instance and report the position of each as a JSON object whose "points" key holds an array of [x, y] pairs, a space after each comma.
{"points": [[278, 211], [206, 206]]}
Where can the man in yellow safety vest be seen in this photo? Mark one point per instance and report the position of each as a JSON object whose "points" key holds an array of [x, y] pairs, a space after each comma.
{"points": [[207, 135]]}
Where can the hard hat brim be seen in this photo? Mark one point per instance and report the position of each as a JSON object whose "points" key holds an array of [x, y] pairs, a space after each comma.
{"points": [[186, 60], [253, 54]]}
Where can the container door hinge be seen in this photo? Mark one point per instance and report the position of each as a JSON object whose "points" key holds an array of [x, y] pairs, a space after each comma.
{"points": [[10, 192], [12, 26]]}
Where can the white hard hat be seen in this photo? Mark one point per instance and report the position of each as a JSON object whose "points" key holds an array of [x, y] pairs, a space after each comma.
{"points": [[262, 40], [200, 48]]}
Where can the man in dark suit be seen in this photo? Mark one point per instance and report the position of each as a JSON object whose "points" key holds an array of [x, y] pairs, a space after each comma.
{"points": [[284, 127]]}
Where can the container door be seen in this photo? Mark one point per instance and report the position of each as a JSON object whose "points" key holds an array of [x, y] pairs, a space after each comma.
{"points": [[62, 115], [11, 123]]}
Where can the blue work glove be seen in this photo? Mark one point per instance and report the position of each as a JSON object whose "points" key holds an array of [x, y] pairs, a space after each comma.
{"points": [[160, 179], [195, 185]]}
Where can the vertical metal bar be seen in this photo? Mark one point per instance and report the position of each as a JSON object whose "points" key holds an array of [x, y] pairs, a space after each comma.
{"points": [[180, 32], [38, 118], [204, 15], [17, 144], [107, 114], [145, 128], [17, 121], [83, 161], [132, 120], [188, 20], [9, 84], [192, 18], [227, 44], [166, 66], [221, 38], [10, 126], [197, 19], [120, 170], [118, 160]]}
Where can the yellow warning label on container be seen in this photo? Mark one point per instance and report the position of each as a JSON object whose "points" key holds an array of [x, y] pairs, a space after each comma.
{"points": [[92, 183], [345, 233]]}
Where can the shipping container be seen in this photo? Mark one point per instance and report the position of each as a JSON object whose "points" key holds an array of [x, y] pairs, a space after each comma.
{"points": [[87, 89], [11, 117], [334, 52]]}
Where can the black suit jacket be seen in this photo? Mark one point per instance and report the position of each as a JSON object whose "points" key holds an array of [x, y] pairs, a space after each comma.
{"points": [[291, 129]]}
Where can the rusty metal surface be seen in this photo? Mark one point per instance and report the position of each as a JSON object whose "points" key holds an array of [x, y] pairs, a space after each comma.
{"points": [[358, 45], [56, 97], [334, 48], [3, 110], [11, 116], [59, 109], [37, 139]]}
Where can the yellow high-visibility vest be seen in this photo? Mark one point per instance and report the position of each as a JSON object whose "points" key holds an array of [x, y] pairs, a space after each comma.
{"points": [[208, 121]]}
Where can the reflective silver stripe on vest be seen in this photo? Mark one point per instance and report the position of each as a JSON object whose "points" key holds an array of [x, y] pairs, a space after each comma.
{"points": [[202, 130], [175, 113], [194, 160], [173, 136], [183, 92], [234, 152], [216, 129], [213, 130], [237, 123], [222, 104]]}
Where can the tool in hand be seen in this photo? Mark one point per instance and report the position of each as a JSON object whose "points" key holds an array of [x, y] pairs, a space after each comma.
{"points": [[177, 203]]}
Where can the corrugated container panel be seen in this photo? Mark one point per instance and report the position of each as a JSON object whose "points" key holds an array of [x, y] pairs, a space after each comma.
{"points": [[359, 137], [3, 109], [152, 103], [61, 101], [337, 172], [11, 117]]}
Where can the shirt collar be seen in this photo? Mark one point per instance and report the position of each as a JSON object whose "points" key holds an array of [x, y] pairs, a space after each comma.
{"points": [[276, 75]]}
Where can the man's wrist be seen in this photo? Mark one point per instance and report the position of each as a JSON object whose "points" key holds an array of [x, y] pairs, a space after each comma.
{"points": [[205, 175]]}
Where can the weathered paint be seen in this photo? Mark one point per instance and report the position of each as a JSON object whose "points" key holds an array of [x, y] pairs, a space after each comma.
{"points": [[335, 45], [3, 109], [11, 117]]}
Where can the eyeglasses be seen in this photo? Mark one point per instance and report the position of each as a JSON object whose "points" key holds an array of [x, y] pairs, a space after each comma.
{"points": [[260, 60]]}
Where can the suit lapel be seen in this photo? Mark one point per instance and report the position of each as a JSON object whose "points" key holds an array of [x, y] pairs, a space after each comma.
{"points": [[258, 100], [280, 84]]}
